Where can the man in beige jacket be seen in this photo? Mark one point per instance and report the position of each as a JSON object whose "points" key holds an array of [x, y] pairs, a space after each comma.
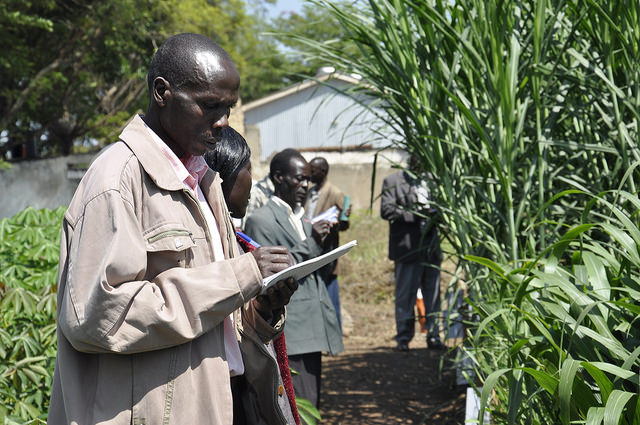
{"points": [[159, 317]]}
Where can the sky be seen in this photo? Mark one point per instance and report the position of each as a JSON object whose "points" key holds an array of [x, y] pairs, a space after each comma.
{"points": [[285, 6]]}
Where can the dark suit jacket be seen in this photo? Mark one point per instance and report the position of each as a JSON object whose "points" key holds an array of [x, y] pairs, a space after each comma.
{"points": [[312, 324], [412, 238], [329, 196]]}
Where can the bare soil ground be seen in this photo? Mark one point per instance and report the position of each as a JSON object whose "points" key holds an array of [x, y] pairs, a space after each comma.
{"points": [[370, 383]]}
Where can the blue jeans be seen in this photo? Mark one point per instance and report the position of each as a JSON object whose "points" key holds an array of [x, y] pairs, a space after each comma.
{"points": [[334, 295], [409, 277]]}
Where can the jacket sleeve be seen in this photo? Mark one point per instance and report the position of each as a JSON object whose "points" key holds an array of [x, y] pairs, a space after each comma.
{"points": [[391, 207], [106, 305], [255, 324]]}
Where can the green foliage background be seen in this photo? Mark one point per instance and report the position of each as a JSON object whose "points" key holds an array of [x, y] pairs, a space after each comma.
{"points": [[73, 72], [29, 251]]}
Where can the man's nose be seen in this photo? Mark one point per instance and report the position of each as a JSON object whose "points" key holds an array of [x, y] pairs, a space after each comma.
{"points": [[222, 122], [304, 183]]}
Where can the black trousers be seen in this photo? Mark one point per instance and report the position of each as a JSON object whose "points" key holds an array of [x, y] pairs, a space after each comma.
{"points": [[237, 387], [306, 379]]}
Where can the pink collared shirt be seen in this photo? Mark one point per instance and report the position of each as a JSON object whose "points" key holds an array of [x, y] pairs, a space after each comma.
{"points": [[191, 173]]}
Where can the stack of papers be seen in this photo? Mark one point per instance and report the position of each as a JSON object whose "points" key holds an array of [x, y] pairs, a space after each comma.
{"points": [[331, 215]]}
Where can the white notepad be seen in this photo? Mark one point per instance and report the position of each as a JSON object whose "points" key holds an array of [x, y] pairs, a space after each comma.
{"points": [[331, 215], [305, 268]]}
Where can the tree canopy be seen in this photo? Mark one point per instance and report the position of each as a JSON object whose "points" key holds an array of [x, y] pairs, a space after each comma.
{"points": [[74, 71], [294, 30]]}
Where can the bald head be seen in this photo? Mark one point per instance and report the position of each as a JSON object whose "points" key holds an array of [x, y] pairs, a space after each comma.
{"points": [[290, 174], [193, 85], [186, 60], [319, 170]]}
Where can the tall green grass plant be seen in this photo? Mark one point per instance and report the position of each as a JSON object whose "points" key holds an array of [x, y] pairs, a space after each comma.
{"points": [[527, 113]]}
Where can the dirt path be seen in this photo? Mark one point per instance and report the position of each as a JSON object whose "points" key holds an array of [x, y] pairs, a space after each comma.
{"points": [[370, 383]]}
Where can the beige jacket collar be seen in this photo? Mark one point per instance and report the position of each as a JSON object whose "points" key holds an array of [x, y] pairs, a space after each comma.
{"points": [[156, 165], [137, 137]]}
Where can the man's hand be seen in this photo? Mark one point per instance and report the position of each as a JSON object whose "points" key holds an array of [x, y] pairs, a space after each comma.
{"points": [[344, 224], [320, 229], [272, 259], [276, 297]]}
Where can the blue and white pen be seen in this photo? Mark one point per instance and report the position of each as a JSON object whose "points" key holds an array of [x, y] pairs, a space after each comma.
{"points": [[247, 239]]}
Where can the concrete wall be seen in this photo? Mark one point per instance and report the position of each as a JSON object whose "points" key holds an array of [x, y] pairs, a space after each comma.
{"points": [[44, 183], [50, 183]]}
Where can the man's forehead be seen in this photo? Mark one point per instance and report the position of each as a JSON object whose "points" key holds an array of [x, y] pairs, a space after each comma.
{"points": [[299, 166], [208, 63], [217, 96], [215, 70]]}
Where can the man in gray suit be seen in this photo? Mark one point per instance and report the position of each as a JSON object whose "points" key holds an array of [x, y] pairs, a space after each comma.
{"points": [[414, 245], [312, 325]]}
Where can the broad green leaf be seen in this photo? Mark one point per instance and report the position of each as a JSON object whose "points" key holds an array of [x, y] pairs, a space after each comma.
{"points": [[624, 240], [595, 416], [307, 411], [597, 275], [546, 381], [565, 388], [488, 263], [615, 406], [604, 384], [616, 371], [487, 387], [518, 346]]}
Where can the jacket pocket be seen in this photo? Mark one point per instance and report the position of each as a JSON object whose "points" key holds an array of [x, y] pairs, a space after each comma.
{"points": [[168, 246]]}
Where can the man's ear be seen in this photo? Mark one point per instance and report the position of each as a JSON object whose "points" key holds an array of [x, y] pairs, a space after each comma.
{"points": [[161, 91], [276, 178]]}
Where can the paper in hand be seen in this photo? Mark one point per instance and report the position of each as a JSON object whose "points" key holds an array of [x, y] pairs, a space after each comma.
{"points": [[305, 268], [331, 215]]}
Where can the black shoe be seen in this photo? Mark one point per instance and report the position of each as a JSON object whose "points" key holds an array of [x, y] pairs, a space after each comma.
{"points": [[434, 343], [402, 346]]}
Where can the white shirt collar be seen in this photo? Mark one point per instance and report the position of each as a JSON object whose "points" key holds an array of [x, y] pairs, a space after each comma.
{"points": [[298, 213], [295, 217]]}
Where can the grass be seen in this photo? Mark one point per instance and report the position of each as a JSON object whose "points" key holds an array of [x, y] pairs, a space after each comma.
{"points": [[366, 274]]}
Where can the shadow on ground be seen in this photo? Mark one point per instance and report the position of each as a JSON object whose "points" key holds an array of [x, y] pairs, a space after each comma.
{"points": [[382, 386]]}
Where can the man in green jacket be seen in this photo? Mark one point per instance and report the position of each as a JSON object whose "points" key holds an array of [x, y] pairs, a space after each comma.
{"points": [[312, 324]]}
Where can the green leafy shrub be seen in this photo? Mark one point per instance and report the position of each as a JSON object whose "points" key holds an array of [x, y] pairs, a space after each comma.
{"points": [[559, 342], [29, 251], [309, 414]]}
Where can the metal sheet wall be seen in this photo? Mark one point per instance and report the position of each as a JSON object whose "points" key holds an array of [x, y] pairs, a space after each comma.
{"points": [[313, 118]]}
